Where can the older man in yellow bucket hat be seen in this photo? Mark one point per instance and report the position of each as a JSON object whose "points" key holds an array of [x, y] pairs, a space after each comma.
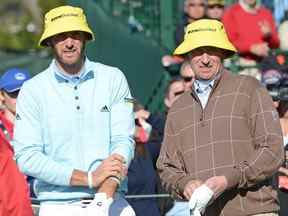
{"points": [[74, 125], [222, 139]]}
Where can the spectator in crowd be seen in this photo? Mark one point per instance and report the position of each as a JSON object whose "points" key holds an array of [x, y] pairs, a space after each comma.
{"points": [[283, 171], [157, 120], [174, 90], [252, 30], [222, 157], [215, 9], [141, 173], [187, 75], [10, 84], [282, 109], [273, 79], [157, 123], [193, 10], [14, 196], [74, 125]]}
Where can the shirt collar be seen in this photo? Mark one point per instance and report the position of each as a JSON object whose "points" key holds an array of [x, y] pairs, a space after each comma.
{"points": [[84, 75], [246, 8], [203, 85]]}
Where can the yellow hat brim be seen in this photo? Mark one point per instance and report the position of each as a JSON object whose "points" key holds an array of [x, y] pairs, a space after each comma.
{"points": [[189, 45]]}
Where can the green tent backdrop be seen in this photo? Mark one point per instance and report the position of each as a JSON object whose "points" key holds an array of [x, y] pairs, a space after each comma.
{"points": [[137, 56]]}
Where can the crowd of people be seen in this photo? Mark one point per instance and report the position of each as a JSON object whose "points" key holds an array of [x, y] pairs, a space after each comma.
{"points": [[79, 142]]}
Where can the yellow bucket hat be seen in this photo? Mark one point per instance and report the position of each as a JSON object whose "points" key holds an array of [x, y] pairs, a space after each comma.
{"points": [[64, 19], [216, 2], [205, 32]]}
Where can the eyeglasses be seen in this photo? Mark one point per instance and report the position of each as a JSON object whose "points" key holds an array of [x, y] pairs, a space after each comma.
{"points": [[178, 93], [218, 6], [196, 5], [13, 94], [187, 78]]}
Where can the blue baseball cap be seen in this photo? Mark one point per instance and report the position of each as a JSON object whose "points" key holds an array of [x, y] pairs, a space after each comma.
{"points": [[13, 79]]}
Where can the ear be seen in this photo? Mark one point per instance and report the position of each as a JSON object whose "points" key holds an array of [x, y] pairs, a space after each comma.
{"points": [[2, 96], [167, 102]]}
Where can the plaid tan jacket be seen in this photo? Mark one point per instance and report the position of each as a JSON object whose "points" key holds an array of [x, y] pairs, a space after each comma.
{"points": [[237, 135]]}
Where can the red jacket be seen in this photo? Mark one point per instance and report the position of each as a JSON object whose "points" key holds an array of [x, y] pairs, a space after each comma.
{"points": [[243, 29], [14, 195]]}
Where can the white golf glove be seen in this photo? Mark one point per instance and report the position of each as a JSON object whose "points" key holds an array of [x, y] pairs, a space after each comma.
{"points": [[100, 205], [127, 211], [199, 200]]}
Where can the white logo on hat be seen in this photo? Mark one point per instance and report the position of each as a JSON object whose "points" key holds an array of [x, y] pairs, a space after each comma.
{"points": [[19, 76]]}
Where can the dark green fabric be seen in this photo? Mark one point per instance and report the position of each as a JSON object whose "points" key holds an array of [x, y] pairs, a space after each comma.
{"points": [[34, 62], [137, 56]]}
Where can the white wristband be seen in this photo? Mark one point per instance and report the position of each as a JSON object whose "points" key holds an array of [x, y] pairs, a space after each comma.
{"points": [[116, 179], [90, 180]]}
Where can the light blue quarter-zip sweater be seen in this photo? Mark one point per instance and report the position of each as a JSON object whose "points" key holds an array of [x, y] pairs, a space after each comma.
{"points": [[65, 123]]}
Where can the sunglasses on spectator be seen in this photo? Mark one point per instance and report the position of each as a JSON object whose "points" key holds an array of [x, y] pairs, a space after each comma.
{"points": [[219, 6], [13, 94], [196, 5], [187, 78], [178, 93]]}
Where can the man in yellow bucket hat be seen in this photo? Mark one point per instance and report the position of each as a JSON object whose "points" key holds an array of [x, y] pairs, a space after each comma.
{"points": [[222, 139], [74, 125]]}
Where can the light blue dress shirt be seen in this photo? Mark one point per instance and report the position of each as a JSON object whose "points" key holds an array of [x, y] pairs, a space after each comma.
{"points": [[203, 89], [65, 123]]}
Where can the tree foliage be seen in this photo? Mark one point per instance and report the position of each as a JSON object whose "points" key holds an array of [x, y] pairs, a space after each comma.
{"points": [[19, 29]]}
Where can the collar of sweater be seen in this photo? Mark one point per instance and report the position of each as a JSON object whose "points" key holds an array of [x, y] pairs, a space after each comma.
{"points": [[248, 9]]}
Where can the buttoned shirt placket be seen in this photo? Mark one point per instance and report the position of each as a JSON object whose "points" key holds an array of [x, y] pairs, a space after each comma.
{"points": [[74, 82]]}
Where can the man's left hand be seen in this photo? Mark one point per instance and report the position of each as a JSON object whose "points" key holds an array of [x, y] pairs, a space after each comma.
{"points": [[190, 187], [217, 184], [100, 205], [200, 200]]}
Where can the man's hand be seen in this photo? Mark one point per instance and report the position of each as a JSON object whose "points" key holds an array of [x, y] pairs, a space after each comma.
{"points": [[190, 187], [260, 49], [142, 114], [217, 184], [200, 200], [112, 166], [265, 28], [100, 205]]}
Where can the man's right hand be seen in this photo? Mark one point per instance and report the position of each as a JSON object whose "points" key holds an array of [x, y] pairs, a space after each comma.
{"points": [[190, 187], [111, 166], [265, 28]]}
